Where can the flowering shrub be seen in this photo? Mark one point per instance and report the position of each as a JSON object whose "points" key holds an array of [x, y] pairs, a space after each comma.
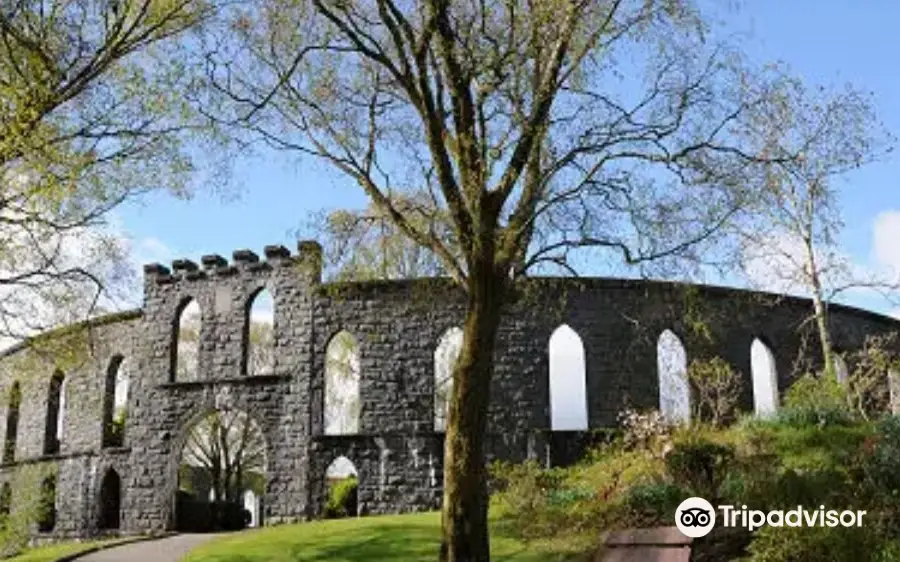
{"points": [[646, 430]]}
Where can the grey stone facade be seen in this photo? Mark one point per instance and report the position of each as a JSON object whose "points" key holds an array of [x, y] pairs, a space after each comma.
{"points": [[397, 326]]}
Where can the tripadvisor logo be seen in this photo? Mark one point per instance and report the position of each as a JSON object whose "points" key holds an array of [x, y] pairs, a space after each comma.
{"points": [[696, 517]]}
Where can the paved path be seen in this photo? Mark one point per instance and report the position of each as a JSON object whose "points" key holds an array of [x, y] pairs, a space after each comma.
{"points": [[169, 549]]}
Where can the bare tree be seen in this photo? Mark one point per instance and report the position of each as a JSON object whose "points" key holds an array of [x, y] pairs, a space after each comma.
{"points": [[92, 113], [536, 134], [261, 359], [791, 237], [366, 244], [228, 446]]}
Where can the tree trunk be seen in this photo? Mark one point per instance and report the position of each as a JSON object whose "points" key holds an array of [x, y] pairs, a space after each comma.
{"points": [[819, 311], [465, 505]]}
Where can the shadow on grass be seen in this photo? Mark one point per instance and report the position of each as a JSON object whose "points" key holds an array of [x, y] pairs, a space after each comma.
{"points": [[371, 542]]}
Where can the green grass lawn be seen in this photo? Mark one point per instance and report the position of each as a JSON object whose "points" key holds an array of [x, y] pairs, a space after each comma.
{"points": [[400, 538], [54, 551]]}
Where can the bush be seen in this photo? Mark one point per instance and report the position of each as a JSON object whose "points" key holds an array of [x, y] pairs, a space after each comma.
{"points": [[648, 505], [813, 544], [883, 465], [201, 516], [524, 495], [816, 400], [535, 502], [867, 387], [700, 466], [648, 430], [717, 391], [342, 499], [230, 516]]}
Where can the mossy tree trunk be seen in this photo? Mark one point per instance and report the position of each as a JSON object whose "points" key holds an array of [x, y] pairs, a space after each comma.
{"points": [[465, 505]]}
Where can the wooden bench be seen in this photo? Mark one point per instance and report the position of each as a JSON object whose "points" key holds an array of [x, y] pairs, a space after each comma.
{"points": [[662, 544]]}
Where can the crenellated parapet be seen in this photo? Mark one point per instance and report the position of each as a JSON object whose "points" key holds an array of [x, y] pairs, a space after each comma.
{"points": [[308, 261]]}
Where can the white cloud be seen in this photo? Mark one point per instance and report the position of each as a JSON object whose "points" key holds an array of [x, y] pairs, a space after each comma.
{"points": [[886, 239], [778, 265], [152, 250]]}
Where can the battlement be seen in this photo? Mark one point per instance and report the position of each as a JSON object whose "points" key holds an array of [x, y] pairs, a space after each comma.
{"points": [[308, 258]]}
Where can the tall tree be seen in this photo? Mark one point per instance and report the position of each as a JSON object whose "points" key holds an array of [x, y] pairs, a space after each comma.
{"points": [[816, 138], [545, 132], [92, 113]]}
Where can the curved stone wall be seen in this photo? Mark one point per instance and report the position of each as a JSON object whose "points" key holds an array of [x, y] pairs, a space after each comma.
{"points": [[397, 326]]}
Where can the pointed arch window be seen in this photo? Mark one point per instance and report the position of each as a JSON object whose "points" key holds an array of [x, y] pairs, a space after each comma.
{"points": [[186, 341], [674, 388], [445, 356], [115, 402], [568, 388], [55, 420], [764, 375], [342, 405], [110, 500], [259, 340], [12, 423]]}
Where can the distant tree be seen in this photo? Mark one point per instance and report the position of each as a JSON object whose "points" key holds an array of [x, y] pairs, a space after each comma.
{"points": [[188, 344], [342, 407], [228, 446], [261, 358], [791, 237], [361, 245]]}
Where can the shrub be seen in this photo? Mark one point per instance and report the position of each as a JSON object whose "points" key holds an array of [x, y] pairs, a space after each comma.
{"points": [[342, 498], [524, 500], [717, 391], [230, 516], [700, 466], [648, 430], [813, 544], [882, 456], [816, 400], [651, 504], [867, 387]]}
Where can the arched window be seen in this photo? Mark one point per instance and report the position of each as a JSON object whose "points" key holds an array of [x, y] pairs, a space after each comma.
{"points": [[342, 406], [259, 340], [840, 368], [764, 374], [445, 356], [110, 500], [568, 391], [342, 472], [53, 428], [186, 338], [674, 388], [115, 401], [12, 423], [46, 518], [251, 504], [5, 500], [894, 390]]}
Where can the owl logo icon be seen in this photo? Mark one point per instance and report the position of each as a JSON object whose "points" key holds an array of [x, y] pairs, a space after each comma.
{"points": [[695, 517]]}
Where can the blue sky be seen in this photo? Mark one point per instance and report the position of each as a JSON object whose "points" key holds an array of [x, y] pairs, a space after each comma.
{"points": [[825, 41]]}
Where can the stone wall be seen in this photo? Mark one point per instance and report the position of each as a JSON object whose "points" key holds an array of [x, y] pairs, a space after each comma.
{"points": [[397, 326]]}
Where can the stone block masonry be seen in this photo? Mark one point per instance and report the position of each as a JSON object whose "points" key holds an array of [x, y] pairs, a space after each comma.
{"points": [[397, 326]]}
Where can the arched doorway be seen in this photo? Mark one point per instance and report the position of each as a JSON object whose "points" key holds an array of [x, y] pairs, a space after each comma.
{"points": [[341, 485], [110, 501], [223, 456]]}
